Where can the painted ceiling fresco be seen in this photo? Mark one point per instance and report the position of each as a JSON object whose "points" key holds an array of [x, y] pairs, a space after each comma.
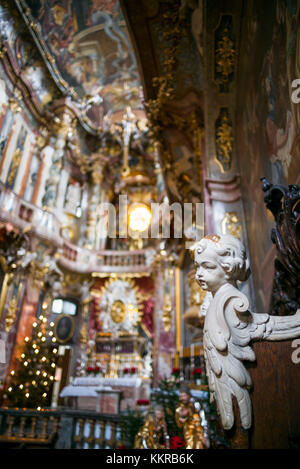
{"points": [[90, 43]]}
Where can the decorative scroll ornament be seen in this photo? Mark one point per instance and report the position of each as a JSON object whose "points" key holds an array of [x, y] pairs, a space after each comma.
{"points": [[120, 307], [224, 139], [230, 327]]}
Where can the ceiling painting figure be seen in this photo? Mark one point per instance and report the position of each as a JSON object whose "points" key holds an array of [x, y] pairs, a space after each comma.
{"points": [[90, 44]]}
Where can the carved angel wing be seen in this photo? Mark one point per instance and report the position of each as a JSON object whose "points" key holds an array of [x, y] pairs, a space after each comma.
{"points": [[228, 330]]}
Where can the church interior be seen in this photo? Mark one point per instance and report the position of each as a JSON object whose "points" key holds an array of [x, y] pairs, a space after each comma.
{"points": [[150, 224]]}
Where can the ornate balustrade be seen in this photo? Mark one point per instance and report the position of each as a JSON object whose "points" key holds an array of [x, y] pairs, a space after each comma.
{"points": [[22, 428], [134, 261], [23, 215], [84, 260], [46, 225]]}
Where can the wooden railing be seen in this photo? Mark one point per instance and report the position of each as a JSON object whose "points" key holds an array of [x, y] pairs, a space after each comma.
{"points": [[61, 429]]}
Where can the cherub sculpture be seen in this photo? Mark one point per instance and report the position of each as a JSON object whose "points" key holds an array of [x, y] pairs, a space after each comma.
{"points": [[230, 327]]}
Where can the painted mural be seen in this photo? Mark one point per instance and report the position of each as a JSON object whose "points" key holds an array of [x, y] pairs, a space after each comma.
{"points": [[90, 44], [26, 58], [268, 132]]}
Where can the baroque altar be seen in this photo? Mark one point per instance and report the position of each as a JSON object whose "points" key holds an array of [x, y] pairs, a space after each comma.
{"points": [[118, 369]]}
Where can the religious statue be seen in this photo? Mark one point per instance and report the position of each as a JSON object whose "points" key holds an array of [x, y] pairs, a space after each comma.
{"points": [[189, 420], [153, 434], [73, 197], [230, 327]]}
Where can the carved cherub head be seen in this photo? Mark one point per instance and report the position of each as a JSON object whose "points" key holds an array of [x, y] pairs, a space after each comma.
{"points": [[220, 260]]}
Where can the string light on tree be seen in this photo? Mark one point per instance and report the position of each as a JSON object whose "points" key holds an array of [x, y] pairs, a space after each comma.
{"points": [[32, 378]]}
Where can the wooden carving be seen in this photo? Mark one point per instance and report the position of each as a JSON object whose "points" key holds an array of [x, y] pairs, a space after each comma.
{"points": [[284, 203]]}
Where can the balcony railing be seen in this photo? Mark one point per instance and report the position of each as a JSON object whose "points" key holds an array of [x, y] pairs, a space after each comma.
{"points": [[46, 225], [23, 214], [60, 429]]}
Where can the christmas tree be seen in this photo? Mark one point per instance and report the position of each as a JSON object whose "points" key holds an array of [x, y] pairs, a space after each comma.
{"points": [[34, 373]]}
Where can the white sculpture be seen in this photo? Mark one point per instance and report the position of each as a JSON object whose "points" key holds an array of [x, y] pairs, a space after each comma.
{"points": [[85, 291], [73, 197], [51, 263], [27, 257], [206, 303], [147, 362], [230, 327]]}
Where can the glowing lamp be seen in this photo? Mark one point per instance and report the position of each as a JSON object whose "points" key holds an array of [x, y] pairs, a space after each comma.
{"points": [[139, 216]]}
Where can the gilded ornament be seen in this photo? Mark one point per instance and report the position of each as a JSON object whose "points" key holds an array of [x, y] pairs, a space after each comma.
{"points": [[40, 142], [14, 105], [120, 306], [194, 315], [2, 52], [38, 273], [8, 278], [50, 58], [63, 82], [15, 165], [11, 314], [157, 111], [231, 224], [188, 419], [167, 310]]}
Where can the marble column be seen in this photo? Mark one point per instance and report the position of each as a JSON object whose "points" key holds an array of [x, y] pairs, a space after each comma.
{"points": [[164, 346]]}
